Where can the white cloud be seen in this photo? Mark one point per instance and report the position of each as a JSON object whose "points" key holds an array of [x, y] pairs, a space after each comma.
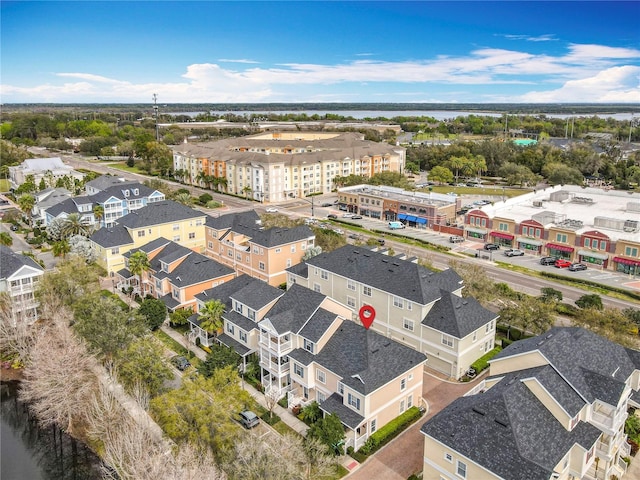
{"points": [[540, 38], [240, 60]]}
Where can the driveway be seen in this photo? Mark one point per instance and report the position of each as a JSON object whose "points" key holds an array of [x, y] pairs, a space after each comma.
{"points": [[404, 455]]}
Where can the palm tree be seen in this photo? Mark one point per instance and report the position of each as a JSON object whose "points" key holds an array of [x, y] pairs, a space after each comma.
{"points": [[98, 212], [61, 248], [222, 181], [456, 163], [6, 239], [184, 198], [74, 224], [26, 203], [138, 264], [211, 316], [246, 190]]}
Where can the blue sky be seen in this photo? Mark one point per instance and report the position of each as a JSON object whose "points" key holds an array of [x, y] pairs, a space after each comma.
{"points": [[235, 52]]}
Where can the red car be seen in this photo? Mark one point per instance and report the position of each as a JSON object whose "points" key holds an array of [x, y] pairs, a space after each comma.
{"points": [[562, 263]]}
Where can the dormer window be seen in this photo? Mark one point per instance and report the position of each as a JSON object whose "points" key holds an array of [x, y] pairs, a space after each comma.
{"points": [[136, 191], [308, 346], [164, 266], [126, 193]]}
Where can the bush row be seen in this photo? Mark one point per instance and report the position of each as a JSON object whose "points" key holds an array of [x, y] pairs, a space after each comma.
{"points": [[390, 431], [483, 362], [593, 284]]}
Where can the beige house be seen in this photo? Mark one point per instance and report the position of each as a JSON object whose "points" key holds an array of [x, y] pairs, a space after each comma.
{"points": [[238, 241], [554, 407], [414, 305], [19, 277]]}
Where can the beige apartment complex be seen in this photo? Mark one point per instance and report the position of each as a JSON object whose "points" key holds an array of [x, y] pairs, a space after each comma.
{"points": [[414, 306], [553, 408], [600, 228], [276, 166]]}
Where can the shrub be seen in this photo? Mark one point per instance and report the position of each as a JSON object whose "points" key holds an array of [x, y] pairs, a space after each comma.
{"points": [[283, 402], [634, 446], [506, 342], [390, 431], [270, 418], [483, 362]]}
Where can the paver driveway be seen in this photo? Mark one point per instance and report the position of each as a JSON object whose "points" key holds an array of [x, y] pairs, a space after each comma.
{"points": [[403, 456]]}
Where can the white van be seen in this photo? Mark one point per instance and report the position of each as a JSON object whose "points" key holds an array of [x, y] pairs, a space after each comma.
{"points": [[396, 225]]}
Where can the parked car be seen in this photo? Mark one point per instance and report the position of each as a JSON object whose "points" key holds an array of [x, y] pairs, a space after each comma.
{"points": [[272, 210], [332, 215], [248, 419], [14, 227], [356, 217], [492, 246], [348, 215], [396, 225], [576, 267], [456, 239], [381, 241], [327, 204], [513, 252], [180, 362], [548, 261], [562, 263]]}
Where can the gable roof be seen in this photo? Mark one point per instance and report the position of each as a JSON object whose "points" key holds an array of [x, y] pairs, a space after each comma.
{"points": [[117, 191], [105, 181], [584, 360], [294, 309], [281, 236], [108, 237], [157, 213], [44, 164], [457, 316], [235, 221], [11, 262], [508, 431], [252, 292], [389, 274]]}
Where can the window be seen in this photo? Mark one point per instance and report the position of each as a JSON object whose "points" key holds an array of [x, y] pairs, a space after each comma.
{"points": [[409, 401], [475, 336], [448, 457], [397, 302], [351, 302], [140, 233], [176, 227], [351, 285], [447, 340], [316, 287], [192, 235], [320, 376], [293, 249], [603, 245], [630, 251], [176, 238], [403, 384], [503, 227], [408, 324], [410, 377], [210, 245], [402, 409], [366, 291], [461, 469], [243, 336], [340, 388], [324, 275], [561, 237], [261, 266], [489, 327], [298, 370], [278, 250], [308, 345], [321, 397], [587, 242], [353, 401], [373, 425], [230, 328], [115, 251], [409, 305]]}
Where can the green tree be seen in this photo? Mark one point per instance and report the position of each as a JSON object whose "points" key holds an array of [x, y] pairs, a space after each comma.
{"points": [[560, 174], [529, 314], [328, 240], [246, 190], [180, 316], [154, 312], [456, 164], [26, 203], [201, 411], [139, 264], [211, 316], [184, 199], [98, 213], [28, 186], [61, 248], [6, 239], [311, 413], [142, 364], [441, 174], [71, 280], [220, 356], [610, 323], [105, 326], [590, 301], [329, 431], [550, 295], [74, 224]]}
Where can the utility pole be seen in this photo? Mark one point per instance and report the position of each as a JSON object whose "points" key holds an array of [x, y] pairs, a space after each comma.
{"points": [[155, 114], [630, 127]]}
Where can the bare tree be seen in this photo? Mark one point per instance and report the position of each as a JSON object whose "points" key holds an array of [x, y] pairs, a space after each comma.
{"points": [[17, 335], [59, 379], [271, 400]]}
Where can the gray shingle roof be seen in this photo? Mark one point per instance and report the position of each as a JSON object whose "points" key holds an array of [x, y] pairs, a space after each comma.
{"points": [[11, 262], [281, 236], [334, 404], [117, 191], [293, 309], [508, 431], [579, 355], [457, 316], [234, 220], [318, 325], [363, 358], [193, 269], [105, 181], [393, 275], [244, 286], [158, 213], [115, 236], [225, 339]]}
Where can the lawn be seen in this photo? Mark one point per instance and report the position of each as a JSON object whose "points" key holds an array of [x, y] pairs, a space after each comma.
{"points": [[488, 190], [125, 168], [5, 186]]}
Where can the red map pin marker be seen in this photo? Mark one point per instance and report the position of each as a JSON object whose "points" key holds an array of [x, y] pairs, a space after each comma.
{"points": [[367, 314]]}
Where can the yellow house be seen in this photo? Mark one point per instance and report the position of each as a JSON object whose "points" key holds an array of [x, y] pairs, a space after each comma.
{"points": [[167, 219]]}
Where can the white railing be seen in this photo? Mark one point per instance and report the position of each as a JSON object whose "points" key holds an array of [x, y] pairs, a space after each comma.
{"points": [[602, 419], [275, 344]]}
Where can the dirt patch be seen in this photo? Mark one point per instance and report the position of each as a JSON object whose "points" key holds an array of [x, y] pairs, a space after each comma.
{"points": [[10, 374]]}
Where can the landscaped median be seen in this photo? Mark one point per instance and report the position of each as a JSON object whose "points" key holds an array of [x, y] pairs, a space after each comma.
{"points": [[381, 437]]}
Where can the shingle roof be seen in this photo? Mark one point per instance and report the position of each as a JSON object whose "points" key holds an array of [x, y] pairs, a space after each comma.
{"points": [[230, 220], [255, 291], [334, 404], [293, 309], [11, 262], [318, 325], [117, 191], [158, 213], [105, 181], [363, 358], [108, 237], [233, 343], [393, 275], [508, 431], [281, 236], [457, 316], [583, 359]]}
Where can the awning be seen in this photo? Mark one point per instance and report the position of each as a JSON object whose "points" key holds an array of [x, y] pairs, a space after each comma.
{"points": [[587, 253], [502, 235], [423, 221], [481, 231], [402, 216], [627, 261], [411, 218], [561, 248], [529, 241]]}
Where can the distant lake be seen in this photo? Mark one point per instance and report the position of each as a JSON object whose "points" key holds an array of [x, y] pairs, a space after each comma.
{"points": [[437, 114]]}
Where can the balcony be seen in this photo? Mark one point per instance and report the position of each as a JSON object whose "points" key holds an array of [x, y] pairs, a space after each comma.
{"points": [[276, 366], [275, 344], [611, 421]]}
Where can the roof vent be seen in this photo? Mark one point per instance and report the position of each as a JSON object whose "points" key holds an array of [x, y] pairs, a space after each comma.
{"points": [[478, 411], [502, 422]]}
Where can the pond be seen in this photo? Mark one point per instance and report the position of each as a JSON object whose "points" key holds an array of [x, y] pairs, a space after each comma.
{"points": [[29, 451]]}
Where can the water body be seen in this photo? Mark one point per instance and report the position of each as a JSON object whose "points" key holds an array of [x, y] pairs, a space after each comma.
{"points": [[29, 452], [437, 114]]}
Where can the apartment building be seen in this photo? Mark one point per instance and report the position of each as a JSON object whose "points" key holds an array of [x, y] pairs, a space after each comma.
{"points": [[554, 407], [597, 227], [167, 219], [276, 166], [176, 274], [19, 277], [238, 240], [414, 306]]}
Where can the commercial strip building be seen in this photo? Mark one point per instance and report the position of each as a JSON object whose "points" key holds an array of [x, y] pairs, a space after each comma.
{"points": [[277, 166], [48, 169], [600, 228], [553, 408], [415, 209]]}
